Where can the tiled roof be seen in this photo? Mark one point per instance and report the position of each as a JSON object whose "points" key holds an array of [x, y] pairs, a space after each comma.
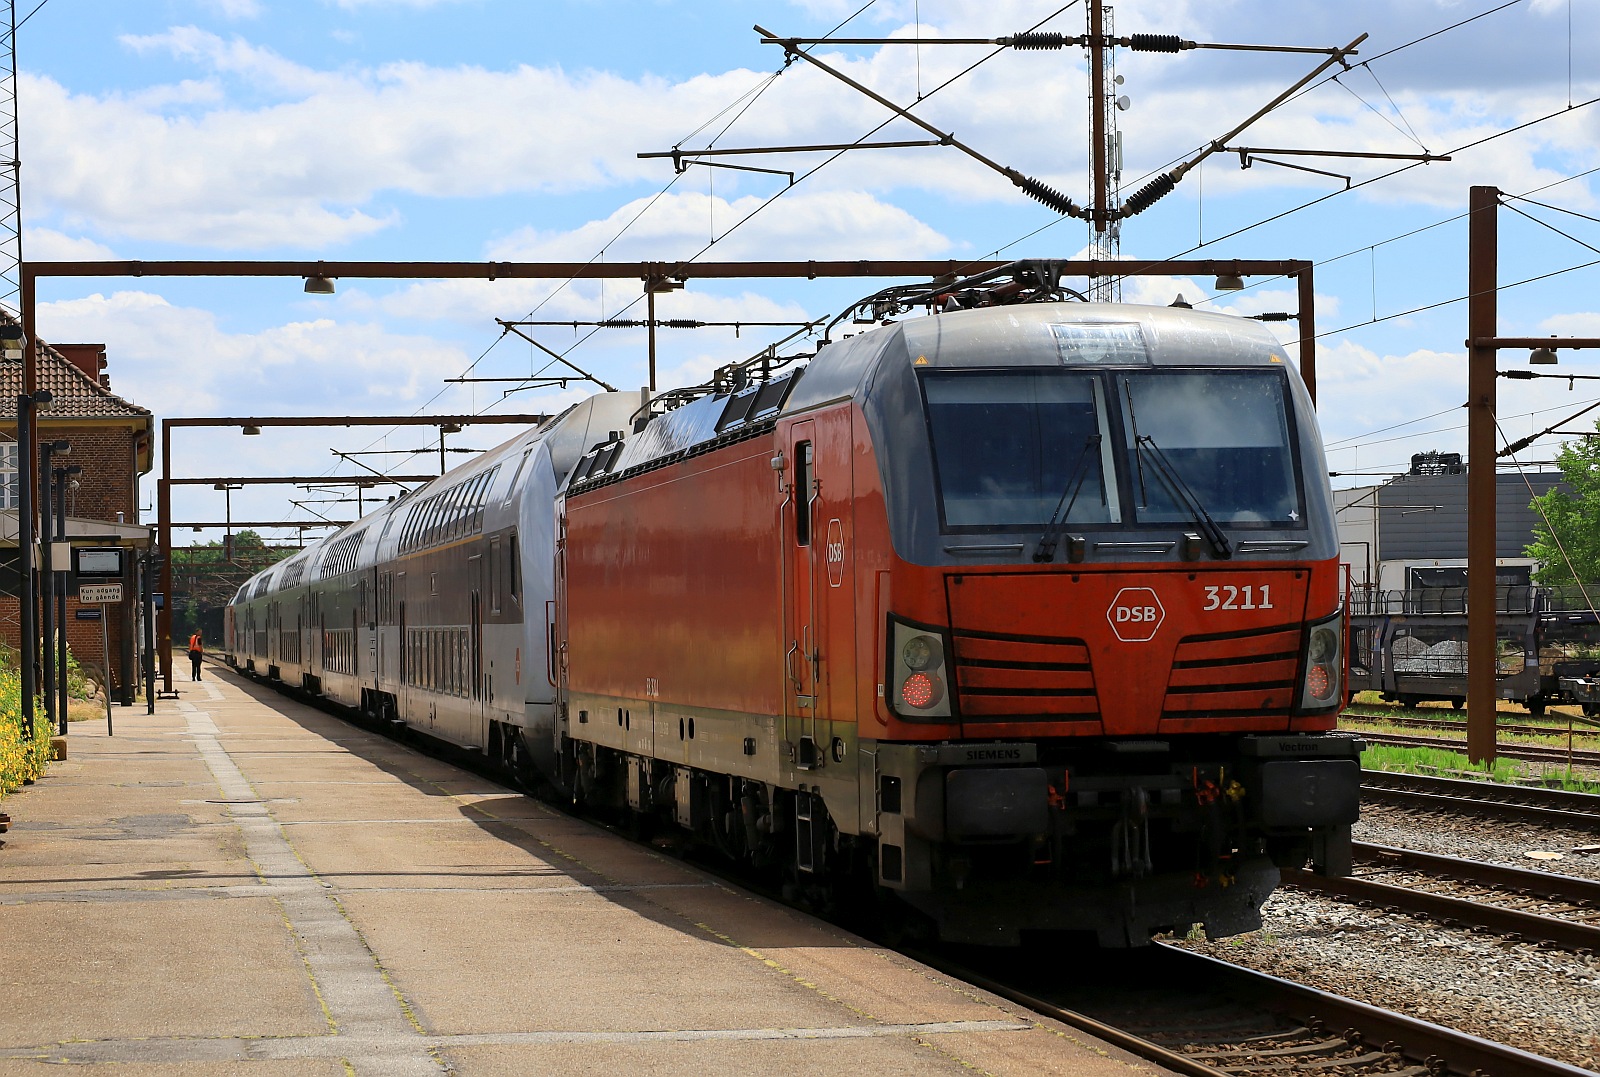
{"points": [[77, 396]]}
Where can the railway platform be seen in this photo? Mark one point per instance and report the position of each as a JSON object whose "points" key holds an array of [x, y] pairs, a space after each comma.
{"points": [[240, 884]]}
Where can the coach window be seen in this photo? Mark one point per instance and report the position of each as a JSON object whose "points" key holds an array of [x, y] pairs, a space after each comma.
{"points": [[494, 575], [511, 489], [802, 494]]}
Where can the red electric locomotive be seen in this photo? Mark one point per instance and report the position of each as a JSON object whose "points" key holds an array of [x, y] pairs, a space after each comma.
{"points": [[1027, 615]]}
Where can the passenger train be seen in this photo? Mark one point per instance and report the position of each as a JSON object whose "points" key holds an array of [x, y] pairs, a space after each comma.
{"points": [[1020, 615]]}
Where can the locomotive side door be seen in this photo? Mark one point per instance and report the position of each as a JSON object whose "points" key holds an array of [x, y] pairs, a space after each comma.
{"points": [[801, 660]]}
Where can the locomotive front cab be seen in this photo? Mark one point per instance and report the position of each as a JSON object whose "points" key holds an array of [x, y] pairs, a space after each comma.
{"points": [[1114, 587]]}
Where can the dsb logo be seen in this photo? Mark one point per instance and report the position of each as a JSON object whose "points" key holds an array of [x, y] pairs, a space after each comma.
{"points": [[835, 553], [1135, 614]]}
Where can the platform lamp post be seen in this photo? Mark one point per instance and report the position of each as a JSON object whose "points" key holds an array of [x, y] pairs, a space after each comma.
{"points": [[47, 579], [11, 344], [227, 489], [65, 481]]}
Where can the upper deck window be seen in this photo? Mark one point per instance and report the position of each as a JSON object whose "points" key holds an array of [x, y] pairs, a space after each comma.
{"points": [[1014, 448], [1225, 435]]}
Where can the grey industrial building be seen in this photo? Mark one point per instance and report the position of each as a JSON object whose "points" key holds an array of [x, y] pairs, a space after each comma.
{"points": [[1411, 532]]}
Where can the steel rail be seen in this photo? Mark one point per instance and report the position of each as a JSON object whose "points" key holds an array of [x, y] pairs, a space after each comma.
{"points": [[1581, 726], [1497, 792], [1127, 1041], [1452, 804], [1497, 918], [1543, 883], [1461, 1052]]}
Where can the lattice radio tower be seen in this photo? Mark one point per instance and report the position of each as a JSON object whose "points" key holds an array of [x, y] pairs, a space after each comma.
{"points": [[10, 167]]}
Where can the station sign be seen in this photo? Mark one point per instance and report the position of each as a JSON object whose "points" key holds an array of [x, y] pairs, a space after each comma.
{"points": [[91, 614], [92, 593]]}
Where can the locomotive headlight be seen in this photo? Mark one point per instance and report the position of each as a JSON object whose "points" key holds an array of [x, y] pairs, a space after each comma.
{"points": [[1324, 644], [920, 652], [914, 673], [1324, 664]]}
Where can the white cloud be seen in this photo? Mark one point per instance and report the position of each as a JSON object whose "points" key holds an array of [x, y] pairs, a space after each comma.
{"points": [[186, 162], [179, 361], [822, 226], [48, 245]]}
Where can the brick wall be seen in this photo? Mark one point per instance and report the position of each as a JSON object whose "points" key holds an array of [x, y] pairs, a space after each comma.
{"points": [[107, 484]]}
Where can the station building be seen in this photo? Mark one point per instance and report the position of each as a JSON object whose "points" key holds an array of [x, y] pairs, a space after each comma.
{"points": [[111, 439]]}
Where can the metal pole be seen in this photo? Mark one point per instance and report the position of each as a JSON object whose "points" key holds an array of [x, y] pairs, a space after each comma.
{"points": [[1308, 332], [227, 516], [25, 489], [650, 316], [63, 477], [1482, 316], [105, 656], [164, 577], [47, 588], [148, 596], [1100, 211]]}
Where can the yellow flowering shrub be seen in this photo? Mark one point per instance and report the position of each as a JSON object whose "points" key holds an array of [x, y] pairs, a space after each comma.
{"points": [[20, 759]]}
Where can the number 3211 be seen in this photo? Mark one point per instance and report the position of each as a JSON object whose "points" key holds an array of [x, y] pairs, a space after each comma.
{"points": [[1228, 597]]}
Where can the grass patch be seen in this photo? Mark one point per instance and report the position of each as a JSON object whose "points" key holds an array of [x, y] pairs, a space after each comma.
{"points": [[1441, 763]]}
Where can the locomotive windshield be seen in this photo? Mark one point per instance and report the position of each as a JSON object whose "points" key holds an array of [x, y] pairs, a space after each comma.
{"points": [[1015, 449], [1226, 434], [1012, 447]]}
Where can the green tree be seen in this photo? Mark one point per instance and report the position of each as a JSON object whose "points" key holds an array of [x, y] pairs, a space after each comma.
{"points": [[205, 579], [1573, 517]]}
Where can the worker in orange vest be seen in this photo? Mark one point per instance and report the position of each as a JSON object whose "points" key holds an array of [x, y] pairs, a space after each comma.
{"points": [[196, 649]]}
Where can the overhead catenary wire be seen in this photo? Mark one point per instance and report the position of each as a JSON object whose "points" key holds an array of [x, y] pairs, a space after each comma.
{"points": [[739, 223], [749, 97], [1032, 233]]}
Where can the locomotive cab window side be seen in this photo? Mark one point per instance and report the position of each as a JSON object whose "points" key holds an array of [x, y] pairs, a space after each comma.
{"points": [[802, 493]]}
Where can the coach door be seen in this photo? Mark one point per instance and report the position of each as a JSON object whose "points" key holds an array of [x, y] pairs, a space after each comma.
{"points": [[477, 688], [802, 659]]}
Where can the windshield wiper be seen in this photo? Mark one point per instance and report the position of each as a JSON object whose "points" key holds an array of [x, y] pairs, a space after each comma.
{"points": [[1175, 484], [1080, 471]]}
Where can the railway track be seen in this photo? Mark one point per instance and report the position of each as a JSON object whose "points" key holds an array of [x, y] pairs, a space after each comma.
{"points": [[1581, 726], [1555, 807], [1235, 1020], [1536, 906], [1530, 752]]}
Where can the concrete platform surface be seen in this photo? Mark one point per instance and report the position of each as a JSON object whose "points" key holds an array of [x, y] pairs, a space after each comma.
{"points": [[240, 884]]}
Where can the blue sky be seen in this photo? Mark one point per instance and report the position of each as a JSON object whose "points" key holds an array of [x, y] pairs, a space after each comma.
{"points": [[508, 129]]}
